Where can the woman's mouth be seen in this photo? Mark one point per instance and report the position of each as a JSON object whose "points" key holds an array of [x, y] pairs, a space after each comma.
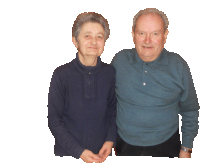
{"points": [[92, 47]]}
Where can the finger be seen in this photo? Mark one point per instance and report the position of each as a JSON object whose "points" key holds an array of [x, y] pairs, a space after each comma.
{"points": [[106, 154], [91, 160], [101, 152], [103, 158], [93, 156], [98, 161]]}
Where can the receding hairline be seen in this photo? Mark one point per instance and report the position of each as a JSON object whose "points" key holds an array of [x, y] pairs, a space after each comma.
{"points": [[147, 14], [152, 11]]}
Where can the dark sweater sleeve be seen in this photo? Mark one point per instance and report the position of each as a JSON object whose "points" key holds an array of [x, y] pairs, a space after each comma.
{"points": [[188, 109], [57, 101], [112, 130]]}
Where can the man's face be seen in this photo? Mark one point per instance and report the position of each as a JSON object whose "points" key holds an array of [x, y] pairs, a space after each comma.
{"points": [[91, 40], [149, 36]]}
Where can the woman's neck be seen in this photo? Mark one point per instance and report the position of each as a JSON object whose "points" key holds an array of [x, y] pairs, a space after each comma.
{"points": [[88, 60]]}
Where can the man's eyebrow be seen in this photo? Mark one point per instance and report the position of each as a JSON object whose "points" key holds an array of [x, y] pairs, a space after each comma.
{"points": [[157, 31], [153, 31], [140, 31], [145, 31]]}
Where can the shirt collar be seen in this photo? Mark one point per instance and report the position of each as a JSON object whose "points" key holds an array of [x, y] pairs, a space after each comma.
{"points": [[162, 58], [87, 69]]}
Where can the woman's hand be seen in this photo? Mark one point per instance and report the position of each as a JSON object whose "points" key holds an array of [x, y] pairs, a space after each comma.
{"points": [[89, 157], [105, 150]]}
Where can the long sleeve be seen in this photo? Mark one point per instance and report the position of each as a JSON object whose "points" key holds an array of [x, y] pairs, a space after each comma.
{"points": [[112, 129], [57, 100], [188, 109]]}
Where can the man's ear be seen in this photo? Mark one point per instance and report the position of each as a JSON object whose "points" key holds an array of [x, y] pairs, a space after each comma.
{"points": [[133, 35], [75, 42], [165, 35]]}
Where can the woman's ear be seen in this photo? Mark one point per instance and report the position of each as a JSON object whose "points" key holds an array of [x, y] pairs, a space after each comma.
{"points": [[75, 42]]}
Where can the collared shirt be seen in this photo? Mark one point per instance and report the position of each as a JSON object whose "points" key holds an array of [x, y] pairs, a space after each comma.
{"points": [[151, 95]]}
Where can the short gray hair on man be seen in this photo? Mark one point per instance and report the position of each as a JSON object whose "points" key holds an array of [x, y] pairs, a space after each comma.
{"points": [[148, 11], [89, 17]]}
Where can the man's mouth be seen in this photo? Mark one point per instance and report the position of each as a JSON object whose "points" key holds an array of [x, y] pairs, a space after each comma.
{"points": [[147, 47]]}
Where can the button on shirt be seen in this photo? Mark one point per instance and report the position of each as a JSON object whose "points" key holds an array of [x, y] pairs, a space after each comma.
{"points": [[150, 97], [144, 75], [89, 85]]}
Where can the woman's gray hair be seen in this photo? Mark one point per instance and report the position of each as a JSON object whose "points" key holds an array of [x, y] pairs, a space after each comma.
{"points": [[90, 17], [154, 11]]}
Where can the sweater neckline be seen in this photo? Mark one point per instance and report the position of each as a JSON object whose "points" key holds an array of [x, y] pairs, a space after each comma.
{"points": [[91, 70]]}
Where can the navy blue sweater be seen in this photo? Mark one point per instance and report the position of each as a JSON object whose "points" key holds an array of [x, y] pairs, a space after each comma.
{"points": [[82, 107]]}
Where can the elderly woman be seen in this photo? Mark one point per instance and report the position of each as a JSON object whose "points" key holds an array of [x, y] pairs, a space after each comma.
{"points": [[82, 102]]}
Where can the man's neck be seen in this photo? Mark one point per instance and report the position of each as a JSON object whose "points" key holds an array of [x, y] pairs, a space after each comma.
{"points": [[148, 59]]}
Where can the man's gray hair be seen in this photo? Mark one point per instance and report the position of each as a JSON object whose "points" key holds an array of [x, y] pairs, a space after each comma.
{"points": [[90, 17], [154, 11]]}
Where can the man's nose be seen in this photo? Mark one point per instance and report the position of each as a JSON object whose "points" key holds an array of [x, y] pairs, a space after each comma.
{"points": [[148, 39]]}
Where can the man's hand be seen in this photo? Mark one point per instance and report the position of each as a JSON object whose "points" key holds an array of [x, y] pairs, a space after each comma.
{"points": [[105, 150], [89, 157], [184, 154]]}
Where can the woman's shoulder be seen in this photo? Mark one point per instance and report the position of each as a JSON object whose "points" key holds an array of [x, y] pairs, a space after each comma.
{"points": [[108, 67], [64, 69]]}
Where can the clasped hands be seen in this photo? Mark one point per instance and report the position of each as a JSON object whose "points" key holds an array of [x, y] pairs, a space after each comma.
{"points": [[89, 157]]}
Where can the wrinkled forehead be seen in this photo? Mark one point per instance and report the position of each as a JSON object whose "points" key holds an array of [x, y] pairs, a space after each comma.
{"points": [[92, 27], [150, 20]]}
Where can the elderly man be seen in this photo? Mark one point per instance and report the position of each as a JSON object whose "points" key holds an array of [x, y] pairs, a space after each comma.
{"points": [[153, 86]]}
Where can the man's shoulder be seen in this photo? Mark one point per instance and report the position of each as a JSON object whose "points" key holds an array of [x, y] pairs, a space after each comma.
{"points": [[125, 52], [175, 58], [123, 55]]}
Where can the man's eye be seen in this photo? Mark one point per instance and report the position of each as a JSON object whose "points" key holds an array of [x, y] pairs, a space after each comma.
{"points": [[155, 34]]}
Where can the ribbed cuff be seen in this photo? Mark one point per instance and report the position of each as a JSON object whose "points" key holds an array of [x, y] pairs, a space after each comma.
{"points": [[187, 142]]}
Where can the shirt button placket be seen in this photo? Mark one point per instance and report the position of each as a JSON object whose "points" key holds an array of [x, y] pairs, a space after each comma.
{"points": [[144, 82], [89, 79], [144, 74]]}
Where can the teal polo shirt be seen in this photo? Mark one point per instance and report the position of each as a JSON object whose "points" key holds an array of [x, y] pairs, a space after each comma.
{"points": [[151, 95]]}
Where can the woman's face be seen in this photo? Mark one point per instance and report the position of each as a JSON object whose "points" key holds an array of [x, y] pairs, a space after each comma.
{"points": [[91, 40]]}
